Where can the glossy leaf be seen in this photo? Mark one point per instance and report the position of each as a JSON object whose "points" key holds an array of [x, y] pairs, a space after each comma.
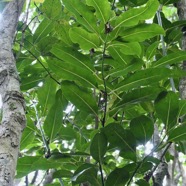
{"points": [[85, 39], [62, 174], [68, 71], [135, 96], [170, 59], [121, 139], [103, 9], [132, 48], [46, 95], [177, 134], [72, 56], [142, 78], [124, 70], [98, 146], [151, 50], [53, 120], [83, 14], [44, 28], [167, 107], [142, 128], [86, 172], [80, 97], [141, 32], [29, 164], [118, 177], [133, 16], [28, 135]]}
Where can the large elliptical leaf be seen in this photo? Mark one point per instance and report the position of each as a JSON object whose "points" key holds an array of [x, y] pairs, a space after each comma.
{"points": [[85, 39], [83, 14], [121, 139], [53, 121], [46, 95], [141, 32], [177, 134], [98, 146], [80, 97], [118, 177], [132, 48], [69, 55], [103, 9], [134, 97], [69, 71], [142, 128], [133, 16], [167, 108], [170, 59], [143, 78]]}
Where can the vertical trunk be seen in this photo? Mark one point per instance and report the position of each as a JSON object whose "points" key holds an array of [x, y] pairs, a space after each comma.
{"points": [[181, 5], [13, 119]]}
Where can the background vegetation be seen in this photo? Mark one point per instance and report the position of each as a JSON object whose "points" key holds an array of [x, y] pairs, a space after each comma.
{"points": [[101, 83]]}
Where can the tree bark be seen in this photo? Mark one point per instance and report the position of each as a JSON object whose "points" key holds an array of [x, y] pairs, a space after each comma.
{"points": [[13, 109], [181, 5]]}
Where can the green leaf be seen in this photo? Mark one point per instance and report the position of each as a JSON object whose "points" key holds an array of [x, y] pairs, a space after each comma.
{"points": [[30, 82], [176, 57], [121, 139], [85, 39], [177, 134], [68, 71], [142, 78], [67, 133], [83, 14], [133, 16], [53, 120], [29, 164], [167, 107], [142, 128], [103, 9], [80, 97], [44, 28], [151, 50], [118, 177], [28, 134], [46, 95], [118, 55], [141, 32], [62, 174], [124, 70], [52, 8], [86, 172], [142, 182], [98, 146], [137, 96], [68, 54], [132, 48]]}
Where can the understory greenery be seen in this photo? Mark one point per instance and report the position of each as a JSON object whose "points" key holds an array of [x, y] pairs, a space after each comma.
{"points": [[99, 76]]}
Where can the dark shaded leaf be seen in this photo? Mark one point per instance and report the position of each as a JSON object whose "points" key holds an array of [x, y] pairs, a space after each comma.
{"points": [[118, 177], [98, 146], [80, 97], [142, 128]]}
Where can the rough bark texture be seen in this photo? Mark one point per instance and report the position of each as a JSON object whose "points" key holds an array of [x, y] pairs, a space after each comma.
{"points": [[13, 119], [181, 5]]}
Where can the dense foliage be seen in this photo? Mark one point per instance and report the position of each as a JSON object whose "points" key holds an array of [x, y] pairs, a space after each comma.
{"points": [[98, 76]]}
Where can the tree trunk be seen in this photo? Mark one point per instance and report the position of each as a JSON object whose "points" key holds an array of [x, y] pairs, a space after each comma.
{"points": [[13, 119], [181, 5]]}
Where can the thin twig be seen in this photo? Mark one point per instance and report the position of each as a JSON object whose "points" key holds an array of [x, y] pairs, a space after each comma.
{"points": [[44, 67], [101, 171], [105, 96]]}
